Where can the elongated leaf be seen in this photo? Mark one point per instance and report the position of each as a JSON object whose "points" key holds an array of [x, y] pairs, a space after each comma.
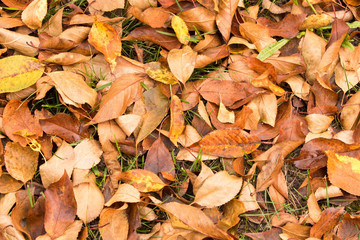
{"points": [[19, 72], [229, 143], [271, 49]]}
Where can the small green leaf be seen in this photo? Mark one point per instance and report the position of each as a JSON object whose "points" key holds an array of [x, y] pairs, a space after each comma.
{"points": [[271, 49]]}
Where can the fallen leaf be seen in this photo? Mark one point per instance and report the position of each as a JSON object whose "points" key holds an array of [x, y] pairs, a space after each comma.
{"points": [[229, 143], [115, 223], [224, 115], [65, 126], [60, 206], [147, 33], [8, 231], [158, 159], [329, 218], [318, 123], [264, 108], [53, 169], [128, 123], [181, 30], [106, 40], [256, 34], [143, 180], [21, 162], [125, 193], [87, 154], [106, 5], [124, 90], [53, 26], [296, 230], [221, 184], [200, 18], [7, 201], [314, 208], [315, 21], [225, 15], [155, 17], [18, 41], [272, 234], [248, 197], [177, 122], [35, 218], [9, 184], [194, 218], [182, 63], [340, 164], [34, 13], [350, 112], [90, 201]]}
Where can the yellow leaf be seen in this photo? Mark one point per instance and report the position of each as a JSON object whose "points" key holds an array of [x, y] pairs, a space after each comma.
{"points": [[106, 40], [160, 73], [143, 180], [177, 122], [19, 72], [181, 30]]}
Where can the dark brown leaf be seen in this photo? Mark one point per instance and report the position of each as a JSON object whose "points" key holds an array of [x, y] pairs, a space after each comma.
{"points": [[329, 218], [158, 159]]}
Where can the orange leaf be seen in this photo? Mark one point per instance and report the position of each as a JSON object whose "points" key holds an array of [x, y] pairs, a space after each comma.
{"points": [[182, 63], [106, 40], [229, 143], [143, 180], [338, 165], [177, 122]]}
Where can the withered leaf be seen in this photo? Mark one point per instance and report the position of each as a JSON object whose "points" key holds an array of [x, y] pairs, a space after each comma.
{"points": [[158, 158], [177, 121], [182, 63], [328, 219], [224, 18], [229, 143], [21, 162], [60, 206], [200, 18], [19, 125], [115, 223]]}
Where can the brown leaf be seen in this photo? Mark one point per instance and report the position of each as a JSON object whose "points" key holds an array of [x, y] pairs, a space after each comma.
{"points": [[194, 218], [276, 155], [229, 143], [312, 154], [348, 227], [231, 210], [21, 209], [337, 165], [35, 218], [90, 201], [34, 13], [257, 34], [60, 206], [19, 4], [211, 55], [296, 230], [21, 162], [177, 122], [221, 184], [53, 26], [115, 223], [124, 91], [9, 184], [225, 15], [18, 41], [65, 126], [350, 112], [182, 63], [18, 123], [146, 33], [107, 5], [105, 39], [158, 159], [288, 27], [143, 180], [230, 92], [329, 219]]}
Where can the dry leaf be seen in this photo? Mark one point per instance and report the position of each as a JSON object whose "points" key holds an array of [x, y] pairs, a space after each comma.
{"points": [[8, 231], [107, 5], [221, 184], [21, 162], [350, 112], [87, 154], [90, 201], [125, 193], [177, 122], [181, 30], [19, 42], [158, 158], [34, 13], [115, 223], [182, 62], [225, 15], [230, 143], [106, 40], [143, 180]]}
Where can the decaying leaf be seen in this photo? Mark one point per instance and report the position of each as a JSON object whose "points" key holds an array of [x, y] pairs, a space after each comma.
{"points": [[177, 122], [143, 180]]}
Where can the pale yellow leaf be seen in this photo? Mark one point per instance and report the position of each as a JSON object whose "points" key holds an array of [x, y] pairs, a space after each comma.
{"points": [[87, 154], [182, 63], [125, 193], [181, 30], [34, 13], [128, 123]]}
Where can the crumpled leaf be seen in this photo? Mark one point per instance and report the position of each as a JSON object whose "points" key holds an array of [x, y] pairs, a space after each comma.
{"points": [[19, 72]]}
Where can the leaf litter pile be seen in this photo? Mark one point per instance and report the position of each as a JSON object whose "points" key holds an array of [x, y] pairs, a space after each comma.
{"points": [[147, 119]]}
